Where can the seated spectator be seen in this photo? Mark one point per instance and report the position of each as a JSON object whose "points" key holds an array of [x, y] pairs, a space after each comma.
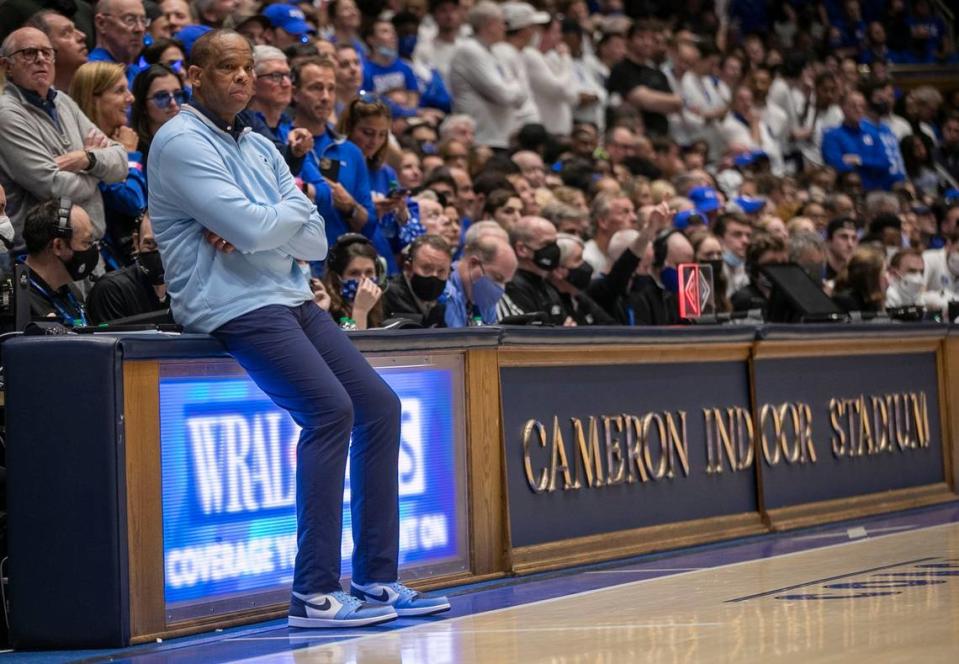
{"points": [[344, 28], [841, 242], [121, 26], [61, 250], [861, 286], [465, 195], [416, 293], [922, 170], [255, 27], [534, 241], [213, 13], [137, 289], [169, 52], [479, 88], [409, 173], [571, 279], [100, 90], [349, 76], [178, 14], [352, 277], [708, 250], [157, 97], [69, 43], [907, 284], [806, 249], [655, 301], [266, 113], [609, 213], [459, 127], [504, 207], [478, 281], [734, 232], [288, 25], [567, 219], [947, 153], [764, 249], [531, 166], [942, 272], [48, 147]]}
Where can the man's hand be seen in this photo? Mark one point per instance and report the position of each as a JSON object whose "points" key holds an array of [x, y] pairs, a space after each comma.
{"points": [[218, 242], [320, 297], [851, 159], [658, 217], [342, 199], [72, 162], [300, 141], [95, 140], [367, 295], [127, 138]]}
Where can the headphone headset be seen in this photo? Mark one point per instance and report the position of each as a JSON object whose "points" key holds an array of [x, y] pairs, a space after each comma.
{"points": [[337, 258], [661, 246], [63, 229]]}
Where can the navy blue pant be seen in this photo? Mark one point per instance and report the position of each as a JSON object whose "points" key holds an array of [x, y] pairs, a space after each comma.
{"points": [[309, 367]]}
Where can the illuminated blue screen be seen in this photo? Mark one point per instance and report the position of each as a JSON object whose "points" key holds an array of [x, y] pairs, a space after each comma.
{"points": [[229, 458]]}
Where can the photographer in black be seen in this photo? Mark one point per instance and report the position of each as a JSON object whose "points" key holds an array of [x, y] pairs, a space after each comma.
{"points": [[415, 293]]}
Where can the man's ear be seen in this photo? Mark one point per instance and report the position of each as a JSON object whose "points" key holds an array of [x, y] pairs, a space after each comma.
{"points": [[59, 245], [193, 73]]}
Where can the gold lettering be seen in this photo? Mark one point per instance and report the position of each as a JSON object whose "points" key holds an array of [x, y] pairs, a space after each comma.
{"points": [[836, 410], [707, 426], [559, 462], [533, 426], [634, 447], [587, 454], [659, 471], [901, 410], [678, 443], [805, 438], [865, 429], [788, 411], [723, 442], [615, 465], [745, 437], [880, 423], [921, 418], [772, 457]]}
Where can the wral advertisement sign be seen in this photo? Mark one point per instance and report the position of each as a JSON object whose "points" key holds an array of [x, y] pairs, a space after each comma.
{"points": [[229, 463]]}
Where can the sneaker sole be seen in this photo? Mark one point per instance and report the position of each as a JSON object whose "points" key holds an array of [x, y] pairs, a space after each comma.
{"points": [[423, 611], [332, 623]]}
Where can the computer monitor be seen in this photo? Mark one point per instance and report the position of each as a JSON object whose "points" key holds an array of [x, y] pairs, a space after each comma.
{"points": [[797, 298]]}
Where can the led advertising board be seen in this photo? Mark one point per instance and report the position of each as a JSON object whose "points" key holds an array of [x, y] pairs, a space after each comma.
{"points": [[228, 488]]}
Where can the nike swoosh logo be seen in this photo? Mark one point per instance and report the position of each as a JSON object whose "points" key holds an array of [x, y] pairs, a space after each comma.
{"points": [[323, 606], [385, 597]]}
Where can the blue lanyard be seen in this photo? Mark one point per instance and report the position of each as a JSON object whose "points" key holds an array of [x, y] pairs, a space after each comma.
{"points": [[630, 315], [65, 315]]}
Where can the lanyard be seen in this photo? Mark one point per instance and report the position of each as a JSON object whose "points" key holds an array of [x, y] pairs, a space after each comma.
{"points": [[65, 314]]}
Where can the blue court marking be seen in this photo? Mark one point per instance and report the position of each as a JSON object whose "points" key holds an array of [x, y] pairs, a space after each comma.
{"points": [[831, 578], [275, 638]]}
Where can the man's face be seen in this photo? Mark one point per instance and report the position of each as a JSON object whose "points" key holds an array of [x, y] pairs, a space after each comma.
{"points": [[31, 62], [543, 234], [877, 33], [910, 264], [827, 92], [732, 70], [464, 133], [349, 70], [622, 215], [273, 84], [121, 28], [743, 101], [254, 31], [583, 143], [347, 15], [761, 82], [429, 262], [854, 108], [642, 45], [950, 133], [950, 220], [465, 196], [621, 144], [448, 17], [316, 92], [383, 35], [737, 238], [500, 270], [82, 238], [177, 13], [817, 213], [533, 170], [226, 83], [70, 43], [526, 194], [843, 244]]}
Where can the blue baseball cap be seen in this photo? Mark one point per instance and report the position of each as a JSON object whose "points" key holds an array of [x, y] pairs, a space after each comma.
{"points": [[745, 159], [287, 17], [705, 199], [951, 195], [189, 34], [682, 219], [749, 204]]}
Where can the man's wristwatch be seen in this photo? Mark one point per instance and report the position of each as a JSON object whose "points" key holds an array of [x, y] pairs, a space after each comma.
{"points": [[92, 158]]}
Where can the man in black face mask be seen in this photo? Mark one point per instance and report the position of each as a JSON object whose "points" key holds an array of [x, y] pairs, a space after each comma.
{"points": [[60, 251], [414, 294], [537, 254], [134, 290], [572, 278]]}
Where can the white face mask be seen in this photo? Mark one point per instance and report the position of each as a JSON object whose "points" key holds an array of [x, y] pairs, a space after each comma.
{"points": [[953, 262], [910, 287], [6, 228]]}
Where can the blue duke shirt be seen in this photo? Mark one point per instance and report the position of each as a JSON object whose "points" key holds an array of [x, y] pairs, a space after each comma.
{"points": [[864, 141]]}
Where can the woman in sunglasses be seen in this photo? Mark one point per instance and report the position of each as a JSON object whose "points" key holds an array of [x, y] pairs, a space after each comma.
{"points": [[100, 90], [158, 96]]}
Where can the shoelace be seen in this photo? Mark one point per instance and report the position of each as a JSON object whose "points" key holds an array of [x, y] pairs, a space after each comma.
{"points": [[402, 590], [346, 599]]}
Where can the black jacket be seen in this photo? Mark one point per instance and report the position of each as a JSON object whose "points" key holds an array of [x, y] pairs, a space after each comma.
{"points": [[531, 293], [122, 293], [400, 302], [651, 304]]}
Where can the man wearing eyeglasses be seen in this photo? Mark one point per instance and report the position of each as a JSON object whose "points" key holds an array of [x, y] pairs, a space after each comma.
{"points": [[120, 26], [48, 147]]}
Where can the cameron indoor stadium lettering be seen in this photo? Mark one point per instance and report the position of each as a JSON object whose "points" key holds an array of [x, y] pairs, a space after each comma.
{"points": [[607, 450]]}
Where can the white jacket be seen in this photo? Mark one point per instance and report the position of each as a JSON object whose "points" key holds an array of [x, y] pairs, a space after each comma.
{"points": [[482, 90], [554, 88], [942, 286]]}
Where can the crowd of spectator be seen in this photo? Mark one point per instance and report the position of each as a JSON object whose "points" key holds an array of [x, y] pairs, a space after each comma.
{"points": [[479, 163]]}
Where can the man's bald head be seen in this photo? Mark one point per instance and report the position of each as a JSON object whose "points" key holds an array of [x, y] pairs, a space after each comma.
{"points": [[14, 39], [210, 44], [531, 231], [531, 166], [18, 49]]}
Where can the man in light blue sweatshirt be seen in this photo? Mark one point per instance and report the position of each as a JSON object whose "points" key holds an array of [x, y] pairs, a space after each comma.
{"points": [[231, 222]]}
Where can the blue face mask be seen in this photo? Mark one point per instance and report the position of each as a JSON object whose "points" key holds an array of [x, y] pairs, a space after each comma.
{"points": [[732, 260], [407, 45], [386, 52], [486, 292], [348, 289], [670, 278]]}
